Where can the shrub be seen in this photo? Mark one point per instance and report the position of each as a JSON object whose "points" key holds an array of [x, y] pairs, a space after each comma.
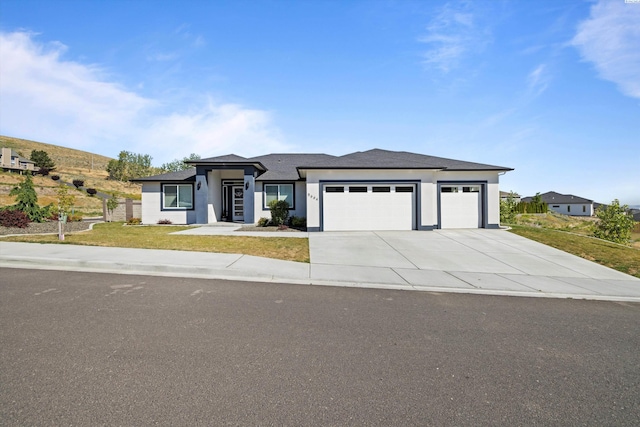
{"points": [[91, 191], [164, 221], [27, 200], [44, 171], [263, 222], [134, 221], [13, 218], [78, 183], [614, 223], [283, 227], [298, 221], [74, 218], [55, 177], [279, 211]]}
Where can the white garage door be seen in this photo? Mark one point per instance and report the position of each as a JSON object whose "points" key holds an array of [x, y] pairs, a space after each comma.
{"points": [[461, 206], [356, 207]]}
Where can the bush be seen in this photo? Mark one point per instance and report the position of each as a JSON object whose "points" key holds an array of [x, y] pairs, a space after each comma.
{"points": [[74, 218], [298, 221], [91, 191], [78, 183], [44, 171], [14, 218], [55, 177], [263, 222], [614, 223], [279, 211], [134, 221], [164, 221]]}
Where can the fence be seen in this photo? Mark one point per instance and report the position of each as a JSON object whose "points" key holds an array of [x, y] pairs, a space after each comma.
{"points": [[127, 209]]}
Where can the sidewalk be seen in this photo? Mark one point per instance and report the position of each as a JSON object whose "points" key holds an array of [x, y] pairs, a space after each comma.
{"points": [[600, 283]]}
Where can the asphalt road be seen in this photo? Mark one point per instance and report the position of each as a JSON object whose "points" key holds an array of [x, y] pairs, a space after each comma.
{"points": [[100, 349]]}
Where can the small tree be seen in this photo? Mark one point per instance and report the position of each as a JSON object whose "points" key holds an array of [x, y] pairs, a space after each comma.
{"points": [[279, 211], [65, 200], [614, 223], [27, 200], [508, 209], [42, 160], [179, 165], [112, 204]]}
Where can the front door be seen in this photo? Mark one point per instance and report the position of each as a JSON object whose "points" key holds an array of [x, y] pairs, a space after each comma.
{"points": [[237, 201]]}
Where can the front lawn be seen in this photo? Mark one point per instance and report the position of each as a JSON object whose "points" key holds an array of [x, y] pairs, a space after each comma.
{"points": [[157, 237], [618, 257]]}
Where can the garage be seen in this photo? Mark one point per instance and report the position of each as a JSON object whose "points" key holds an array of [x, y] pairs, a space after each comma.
{"points": [[368, 206], [461, 206]]}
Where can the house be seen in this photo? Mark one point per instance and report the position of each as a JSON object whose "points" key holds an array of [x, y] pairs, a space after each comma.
{"points": [[566, 204], [504, 196], [12, 161], [370, 190]]}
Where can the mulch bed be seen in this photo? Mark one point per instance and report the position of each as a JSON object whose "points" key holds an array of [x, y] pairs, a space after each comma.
{"points": [[46, 227], [270, 228]]}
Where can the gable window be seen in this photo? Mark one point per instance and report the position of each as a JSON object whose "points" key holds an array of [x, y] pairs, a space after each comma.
{"points": [[584, 208], [569, 208], [278, 192], [177, 196]]}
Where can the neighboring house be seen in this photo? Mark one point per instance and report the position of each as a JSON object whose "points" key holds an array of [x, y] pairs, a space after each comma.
{"points": [[566, 204], [371, 190], [11, 161], [504, 196]]}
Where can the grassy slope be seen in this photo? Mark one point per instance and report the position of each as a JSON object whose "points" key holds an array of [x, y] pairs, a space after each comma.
{"points": [[571, 234], [70, 164]]}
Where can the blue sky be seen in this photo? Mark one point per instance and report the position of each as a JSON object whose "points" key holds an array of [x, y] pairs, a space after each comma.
{"points": [[550, 88]]}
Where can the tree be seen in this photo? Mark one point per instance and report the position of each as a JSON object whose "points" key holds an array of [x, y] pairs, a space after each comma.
{"points": [[112, 204], [27, 200], [179, 165], [508, 209], [42, 160], [614, 223], [65, 200], [130, 165]]}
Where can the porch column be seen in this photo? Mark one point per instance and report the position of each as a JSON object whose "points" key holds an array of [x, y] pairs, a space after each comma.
{"points": [[249, 189], [201, 200]]}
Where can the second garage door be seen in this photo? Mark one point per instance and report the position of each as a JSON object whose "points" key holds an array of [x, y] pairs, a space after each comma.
{"points": [[356, 207], [461, 206]]}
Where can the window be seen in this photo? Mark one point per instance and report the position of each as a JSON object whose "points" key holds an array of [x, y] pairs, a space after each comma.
{"points": [[474, 189], [569, 208], [584, 208], [357, 189], [334, 189], [449, 189], [404, 189], [177, 196], [381, 189], [278, 192]]}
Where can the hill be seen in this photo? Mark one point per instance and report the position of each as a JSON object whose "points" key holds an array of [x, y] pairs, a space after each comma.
{"points": [[70, 164]]}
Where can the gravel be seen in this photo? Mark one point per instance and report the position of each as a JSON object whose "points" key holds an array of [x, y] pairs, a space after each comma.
{"points": [[47, 227]]}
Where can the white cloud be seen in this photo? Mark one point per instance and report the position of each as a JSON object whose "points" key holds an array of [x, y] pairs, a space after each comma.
{"points": [[610, 39], [452, 35], [47, 98], [538, 80]]}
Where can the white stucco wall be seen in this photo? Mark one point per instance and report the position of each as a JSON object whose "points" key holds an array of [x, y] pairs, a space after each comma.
{"points": [[264, 212], [152, 207], [576, 209]]}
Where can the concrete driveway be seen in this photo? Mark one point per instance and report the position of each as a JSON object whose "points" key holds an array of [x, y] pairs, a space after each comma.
{"points": [[488, 260]]}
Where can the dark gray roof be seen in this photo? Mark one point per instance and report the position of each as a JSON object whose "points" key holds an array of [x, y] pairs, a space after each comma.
{"points": [[384, 159], [185, 175], [287, 167], [552, 197]]}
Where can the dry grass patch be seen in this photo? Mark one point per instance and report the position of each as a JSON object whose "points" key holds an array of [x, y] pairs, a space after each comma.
{"points": [[159, 237], [619, 257]]}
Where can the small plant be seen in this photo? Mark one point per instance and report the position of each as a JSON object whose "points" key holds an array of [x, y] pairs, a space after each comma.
{"points": [[91, 191], [279, 211], [78, 183], [13, 218], [283, 227], [55, 177], [164, 221], [27, 200], [263, 222], [134, 221], [614, 223], [112, 204], [298, 221], [44, 171], [74, 218]]}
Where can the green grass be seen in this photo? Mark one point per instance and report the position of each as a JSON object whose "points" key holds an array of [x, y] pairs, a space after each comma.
{"points": [[157, 237], [622, 258]]}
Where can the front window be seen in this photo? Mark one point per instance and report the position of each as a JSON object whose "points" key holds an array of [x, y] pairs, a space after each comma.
{"points": [[177, 196], [278, 192]]}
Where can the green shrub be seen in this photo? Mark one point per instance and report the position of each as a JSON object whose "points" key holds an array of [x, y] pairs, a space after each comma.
{"points": [[91, 191], [78, 183], [279, 211], [263, 222], [134, 221], [298, 221], [614, 223]]}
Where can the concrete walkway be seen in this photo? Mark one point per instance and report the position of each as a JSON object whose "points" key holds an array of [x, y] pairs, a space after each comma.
{"points": [[492, 262]]}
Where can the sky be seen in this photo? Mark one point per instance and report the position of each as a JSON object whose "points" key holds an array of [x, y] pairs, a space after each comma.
{"points": [[550, 88]]}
